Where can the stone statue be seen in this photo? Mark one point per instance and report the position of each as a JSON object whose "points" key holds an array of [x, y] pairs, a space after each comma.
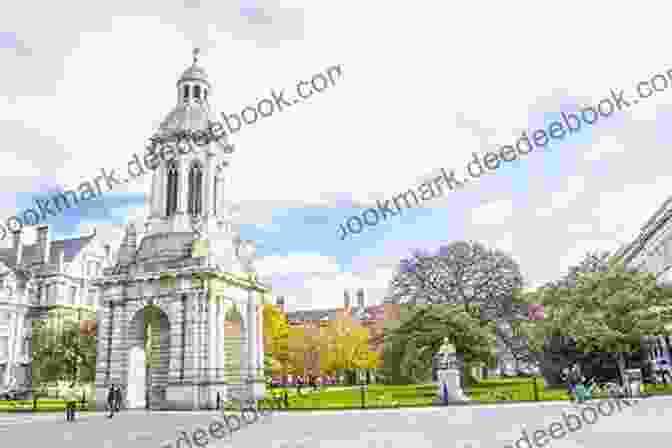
{"points": [[448, 374]]}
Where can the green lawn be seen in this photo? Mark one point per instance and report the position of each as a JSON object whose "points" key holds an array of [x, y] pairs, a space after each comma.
{"points": [[42, 405], [486, 391]]}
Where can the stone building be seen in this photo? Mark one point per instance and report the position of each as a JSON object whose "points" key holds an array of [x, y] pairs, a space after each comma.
{"points": [[47, 278], [651, 252], [162, 327]]}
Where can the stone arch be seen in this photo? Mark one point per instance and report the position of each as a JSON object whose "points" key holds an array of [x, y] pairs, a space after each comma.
{"points": [[147, 315]]}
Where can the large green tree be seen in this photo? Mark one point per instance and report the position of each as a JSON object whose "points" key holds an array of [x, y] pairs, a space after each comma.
{"points": [[411, 342], [483, 282], [604, 311], [63, 352]]}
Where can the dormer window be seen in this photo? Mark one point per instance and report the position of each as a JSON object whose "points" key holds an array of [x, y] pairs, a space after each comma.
{"points": [[197, 92]]}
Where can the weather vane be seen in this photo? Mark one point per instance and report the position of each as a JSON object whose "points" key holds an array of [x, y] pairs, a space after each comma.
{"points": [[196, 52]]}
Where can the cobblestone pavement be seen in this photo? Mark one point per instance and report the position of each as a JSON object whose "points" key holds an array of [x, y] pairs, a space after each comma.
{"points": [[644, 424]]}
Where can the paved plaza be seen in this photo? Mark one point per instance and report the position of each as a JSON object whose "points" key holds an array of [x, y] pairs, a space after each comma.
{"points": [[491, 426]]}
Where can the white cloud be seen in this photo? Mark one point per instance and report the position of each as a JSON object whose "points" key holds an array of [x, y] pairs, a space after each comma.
{"points": [[605, 145], [495, 212]]}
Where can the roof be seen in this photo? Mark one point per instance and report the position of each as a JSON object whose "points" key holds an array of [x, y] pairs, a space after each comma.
{"points": [[194, 73], [187, 116], [312, 315], [70, 247]]}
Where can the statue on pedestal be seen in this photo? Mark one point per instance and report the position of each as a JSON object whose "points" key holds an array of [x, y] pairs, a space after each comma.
{"points": [[448, 374]]}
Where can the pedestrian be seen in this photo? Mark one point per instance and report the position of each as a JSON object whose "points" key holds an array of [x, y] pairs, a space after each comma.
{"points": [[70, 403], [219, 400], [117, 399], [575, 378], [110, 400]]}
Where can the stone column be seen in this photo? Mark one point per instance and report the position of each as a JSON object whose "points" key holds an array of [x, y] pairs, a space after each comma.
{"points": [[251, 337], [208, 180], [260, 339], [212, 351], [155, 195], [175, 341], [103, 353], [220, 345], [183, 188], [11, 343], [116, 358]]}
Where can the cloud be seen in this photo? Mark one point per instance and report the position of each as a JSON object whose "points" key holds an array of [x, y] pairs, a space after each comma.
{"points": [[495, 212]]}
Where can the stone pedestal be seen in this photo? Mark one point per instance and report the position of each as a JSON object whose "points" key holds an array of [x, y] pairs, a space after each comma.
{"points": [[449, 390]]}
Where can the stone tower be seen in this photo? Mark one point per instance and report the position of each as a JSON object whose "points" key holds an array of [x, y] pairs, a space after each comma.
{"points": [[162, 328]]}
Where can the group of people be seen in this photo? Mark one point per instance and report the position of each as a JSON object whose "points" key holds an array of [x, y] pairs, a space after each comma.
{"points": [[114, 399], [576, 384]]}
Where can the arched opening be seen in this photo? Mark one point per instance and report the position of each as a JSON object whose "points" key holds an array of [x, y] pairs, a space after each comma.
{"points": [[186, 92], [149, 358], [195, 189], [171, 188]]}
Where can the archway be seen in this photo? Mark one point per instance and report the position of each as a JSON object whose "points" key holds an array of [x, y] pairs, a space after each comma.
{"points": [[149, 358], [137, 380]]}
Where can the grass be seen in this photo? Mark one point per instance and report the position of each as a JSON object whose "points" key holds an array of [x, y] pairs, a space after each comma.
{"points": [[390, 396], [45, 405]]}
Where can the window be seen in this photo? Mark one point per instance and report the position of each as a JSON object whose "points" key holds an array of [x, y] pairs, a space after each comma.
{"points": [[195, 190], [197, 92], [73, 295], [171, 189], [186, 92]]}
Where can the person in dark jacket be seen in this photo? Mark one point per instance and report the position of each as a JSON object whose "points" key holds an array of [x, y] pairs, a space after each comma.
{"points": [[110, 400], [117, 399]]}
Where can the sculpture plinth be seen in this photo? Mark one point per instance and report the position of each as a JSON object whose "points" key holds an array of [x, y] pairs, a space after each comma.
{"points": [[448, 375]]}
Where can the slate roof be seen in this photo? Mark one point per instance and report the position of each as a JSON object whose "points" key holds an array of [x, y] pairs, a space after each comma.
{"points": [[70, 247], [312, 315]]}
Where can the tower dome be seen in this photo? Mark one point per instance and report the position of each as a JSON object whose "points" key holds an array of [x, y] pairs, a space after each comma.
{"points": [[193, 110]]}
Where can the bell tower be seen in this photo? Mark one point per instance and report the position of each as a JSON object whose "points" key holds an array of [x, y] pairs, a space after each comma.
{"points": [[189, 184]]}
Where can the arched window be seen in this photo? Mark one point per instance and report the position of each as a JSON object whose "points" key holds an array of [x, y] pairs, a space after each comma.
{"points": [[186, 92], [197, 92], [195, 189], [171, 188]]}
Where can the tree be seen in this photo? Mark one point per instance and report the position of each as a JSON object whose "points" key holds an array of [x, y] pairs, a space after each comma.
{"points": [[276, 332], [560, 350], [607, 311], [419, 333], [63, 352], [482, 282]]}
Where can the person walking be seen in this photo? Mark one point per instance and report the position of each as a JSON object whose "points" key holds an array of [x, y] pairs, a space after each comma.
{"points": [[110, 400], [70, 398], [117, 398]]}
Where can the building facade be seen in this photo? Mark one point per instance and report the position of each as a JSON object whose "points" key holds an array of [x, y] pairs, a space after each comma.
{"points": [[651, 252], [163, 332], [45, 279]]}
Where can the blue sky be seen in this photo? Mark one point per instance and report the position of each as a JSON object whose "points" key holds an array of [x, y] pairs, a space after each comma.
{"points": [[76, 98]]}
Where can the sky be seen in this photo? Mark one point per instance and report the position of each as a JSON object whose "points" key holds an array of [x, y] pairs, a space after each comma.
{"points": [[84, 92]]}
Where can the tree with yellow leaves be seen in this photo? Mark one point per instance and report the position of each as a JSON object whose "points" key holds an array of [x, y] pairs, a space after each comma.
{"points": [[276, 333]]}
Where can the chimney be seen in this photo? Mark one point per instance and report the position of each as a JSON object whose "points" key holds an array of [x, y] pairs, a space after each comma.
{"points": [[43, 243], [18, 246], [360, 298], [346, 299]]}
